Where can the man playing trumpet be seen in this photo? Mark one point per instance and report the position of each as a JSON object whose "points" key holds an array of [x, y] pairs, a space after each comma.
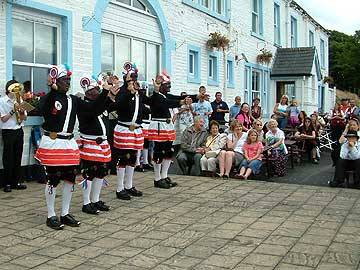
{"points": [[12, 117]]}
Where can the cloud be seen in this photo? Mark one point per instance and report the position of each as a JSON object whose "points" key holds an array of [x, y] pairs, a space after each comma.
{"points": [[340, 15]]}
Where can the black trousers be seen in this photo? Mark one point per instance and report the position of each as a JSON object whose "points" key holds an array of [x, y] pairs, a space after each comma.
{"points": [[343, 165], [13, 148]]}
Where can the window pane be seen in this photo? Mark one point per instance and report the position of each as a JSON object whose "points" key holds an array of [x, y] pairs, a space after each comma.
{"points": [[254, 23], [122, 52], [255, 6], [191, 63], [139, 5], [21, 73], [40, 80], [45, 44], [153, 64], [205, 3], [107, 52], [219, 6], [23, 41], [139, 56], [127, 2], [228, 71], [211, 63]]}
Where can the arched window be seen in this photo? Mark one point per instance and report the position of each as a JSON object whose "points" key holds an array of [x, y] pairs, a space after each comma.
{"points": [[136, 4]]}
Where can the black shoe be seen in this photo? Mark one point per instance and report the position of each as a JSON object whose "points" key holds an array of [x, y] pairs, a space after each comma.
{"points": [[100, 205], [134, 192], [7, 188], [20, 186], [171, 183], [54, 223], [90, 209], [69, 220], [315, 161], [162, 183], [334, 184], [148, 167], [225, 176], [139, 169], [123, 195]]}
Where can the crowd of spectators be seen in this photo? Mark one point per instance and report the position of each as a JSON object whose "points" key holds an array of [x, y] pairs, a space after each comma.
{"points": [[212, 146]]}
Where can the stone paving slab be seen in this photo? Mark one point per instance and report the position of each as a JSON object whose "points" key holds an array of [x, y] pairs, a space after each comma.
{"points": [[203, 224]]}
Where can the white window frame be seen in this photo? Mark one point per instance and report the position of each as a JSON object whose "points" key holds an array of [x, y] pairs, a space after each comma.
{"points": [[311, 38], [211, 68], [119, 66], [36, 18], [293, 32], [256, 92], [257, 16], [322, 53], [192, 63], [131, 6], [247, 84], [277, 25], [215, 8]]}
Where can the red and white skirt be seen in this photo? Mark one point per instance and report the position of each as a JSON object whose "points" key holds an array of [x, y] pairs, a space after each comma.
{"points": [[58, 152], [161, 131], [90, 150], [145, 129], [124, 138]]}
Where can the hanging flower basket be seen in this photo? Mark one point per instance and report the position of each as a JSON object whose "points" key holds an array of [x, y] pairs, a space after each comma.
{"points": [[328, 79], [218, 41], [264, 57]]}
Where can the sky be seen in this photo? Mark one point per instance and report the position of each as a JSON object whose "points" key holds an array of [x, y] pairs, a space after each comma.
{"points": [[340, 15]]}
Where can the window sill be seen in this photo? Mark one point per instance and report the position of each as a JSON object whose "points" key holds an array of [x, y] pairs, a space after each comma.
{"points": [[258, 36], [224, 18], [213, 83], [193, 80], [230, 85]]}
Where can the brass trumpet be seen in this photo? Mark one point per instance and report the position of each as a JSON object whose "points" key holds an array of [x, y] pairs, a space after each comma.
{"points": [[17, 90]]}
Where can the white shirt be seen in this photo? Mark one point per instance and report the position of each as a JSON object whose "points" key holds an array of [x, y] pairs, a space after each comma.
{"points": [[272, 138], [6, 105], [350, 153], [240, 143]]}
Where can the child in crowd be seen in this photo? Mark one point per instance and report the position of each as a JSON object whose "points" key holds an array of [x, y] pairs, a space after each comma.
{"points": [[293, 112], [253, 149]]}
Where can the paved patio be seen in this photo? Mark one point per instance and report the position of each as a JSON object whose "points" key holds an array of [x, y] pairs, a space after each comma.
{"points": [[202, 224]]}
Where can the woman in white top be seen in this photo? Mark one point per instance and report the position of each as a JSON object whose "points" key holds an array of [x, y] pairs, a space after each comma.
{"points": [[213, 145], [280, 110], [275, 139], [233, 152]]}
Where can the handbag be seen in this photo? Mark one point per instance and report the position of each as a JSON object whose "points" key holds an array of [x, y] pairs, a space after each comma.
{"points": [[212, 153]]}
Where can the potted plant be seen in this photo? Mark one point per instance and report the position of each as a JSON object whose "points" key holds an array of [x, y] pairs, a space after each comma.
{"points": [[218, 41], [264, 57]]}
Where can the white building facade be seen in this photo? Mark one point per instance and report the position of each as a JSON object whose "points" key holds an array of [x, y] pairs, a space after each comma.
{"points": [[100, 35]]}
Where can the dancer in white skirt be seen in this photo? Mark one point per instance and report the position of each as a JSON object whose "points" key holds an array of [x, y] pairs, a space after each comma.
{"points": [[58, 150], [161, 129], [128, 136], [95, 150]]}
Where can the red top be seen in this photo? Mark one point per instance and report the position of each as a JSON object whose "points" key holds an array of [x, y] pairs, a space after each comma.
{"points": [[252, 149]]}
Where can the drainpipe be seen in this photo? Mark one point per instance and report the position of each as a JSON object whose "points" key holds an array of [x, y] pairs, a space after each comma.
{"points": [[302, 94]]}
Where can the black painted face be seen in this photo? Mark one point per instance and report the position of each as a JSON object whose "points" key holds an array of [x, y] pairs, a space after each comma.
{"points": [[93, 93], [63, 84], [165, 88]]}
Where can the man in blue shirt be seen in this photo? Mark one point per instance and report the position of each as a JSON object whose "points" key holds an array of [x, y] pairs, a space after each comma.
{"points": [[219, 108], [235, 109], [203, 109]]}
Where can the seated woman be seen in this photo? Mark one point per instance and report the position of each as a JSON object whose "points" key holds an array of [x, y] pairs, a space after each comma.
{"points": [[258, 126], [306, 135], [349, 159], [275, 138], [253, 149], [213, 145], [233, 152], [244, 116]]}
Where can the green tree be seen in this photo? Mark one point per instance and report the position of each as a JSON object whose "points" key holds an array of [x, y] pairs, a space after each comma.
{"points": [[344, 57]]}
